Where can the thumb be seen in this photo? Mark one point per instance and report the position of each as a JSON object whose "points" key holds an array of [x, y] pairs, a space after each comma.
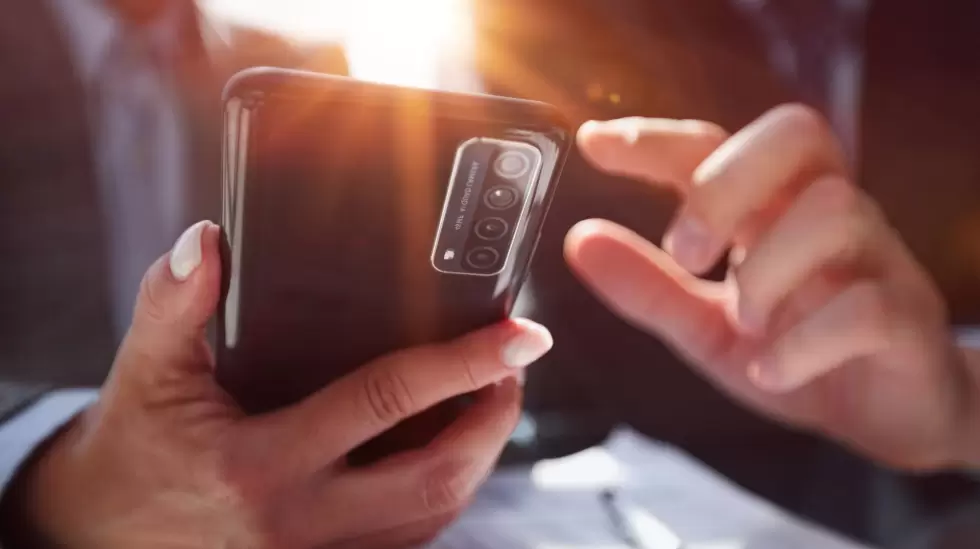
{"points": [[642, 284], [177, 297]]}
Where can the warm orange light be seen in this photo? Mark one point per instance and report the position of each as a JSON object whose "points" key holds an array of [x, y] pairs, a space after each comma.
{"points": [[407, 42]]}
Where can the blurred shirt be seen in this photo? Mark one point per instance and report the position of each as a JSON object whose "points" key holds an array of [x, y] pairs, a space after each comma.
{"points": [[137, 133], [817, 46], [135, 119]]}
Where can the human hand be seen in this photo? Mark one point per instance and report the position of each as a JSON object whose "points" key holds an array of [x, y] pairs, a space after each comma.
{"points": [[825, 320], [165, 459]]}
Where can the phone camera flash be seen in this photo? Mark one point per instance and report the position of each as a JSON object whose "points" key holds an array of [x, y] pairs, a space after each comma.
{"points": [[449, 255]]}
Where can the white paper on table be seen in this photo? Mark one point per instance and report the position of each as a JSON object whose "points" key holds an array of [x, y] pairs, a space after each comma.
{"points": [[555, 505]]}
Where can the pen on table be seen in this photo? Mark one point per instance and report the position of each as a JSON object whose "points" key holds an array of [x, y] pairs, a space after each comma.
{"points": [[625, 527]]}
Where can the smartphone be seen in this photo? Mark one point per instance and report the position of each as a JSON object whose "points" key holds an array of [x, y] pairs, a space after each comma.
{"points": [[359, 219]]}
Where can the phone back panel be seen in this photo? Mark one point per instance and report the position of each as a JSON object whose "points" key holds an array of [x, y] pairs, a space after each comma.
{"points": [[333, 194]]}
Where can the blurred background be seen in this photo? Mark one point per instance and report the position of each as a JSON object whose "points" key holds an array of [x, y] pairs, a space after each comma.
{"points": [[898, 79]]}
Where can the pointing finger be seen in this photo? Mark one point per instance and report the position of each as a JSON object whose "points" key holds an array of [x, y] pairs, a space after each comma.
{"points": [[655, 150]]}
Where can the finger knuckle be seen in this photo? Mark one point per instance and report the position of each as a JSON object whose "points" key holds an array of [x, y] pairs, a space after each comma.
{"points": [[872, 309], [807, 132], [849, 215], [836, 194], [800, 119], [463, 352], [387, 397], [447, 488], [852, 238]]}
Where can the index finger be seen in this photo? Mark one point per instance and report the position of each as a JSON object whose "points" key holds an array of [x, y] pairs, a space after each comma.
{"points": [[439, 478], [659, 151], [368, 402]]}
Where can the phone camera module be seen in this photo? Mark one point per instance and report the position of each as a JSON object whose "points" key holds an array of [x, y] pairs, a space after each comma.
{"points": [[501, 198], [512, 165], [492, 228], [483, 258]]}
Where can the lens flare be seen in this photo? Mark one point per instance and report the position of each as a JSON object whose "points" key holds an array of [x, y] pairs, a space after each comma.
{"points": [[419, 43]]}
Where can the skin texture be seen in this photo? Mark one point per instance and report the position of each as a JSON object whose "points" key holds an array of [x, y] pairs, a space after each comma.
{"points": [[165, 459], [825, 321]]}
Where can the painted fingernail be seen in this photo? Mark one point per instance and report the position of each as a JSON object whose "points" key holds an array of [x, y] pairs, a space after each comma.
{"points": [[186, 255], [531, 343], [591, 126], [691, 244]]}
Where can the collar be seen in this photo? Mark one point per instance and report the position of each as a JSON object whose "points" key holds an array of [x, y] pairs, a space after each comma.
{"points": [[91, 28]]}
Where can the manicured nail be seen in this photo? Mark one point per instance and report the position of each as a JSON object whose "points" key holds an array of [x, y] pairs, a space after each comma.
{"points": [[185, 257], [528, 345], [590, 127], [691, 244]]}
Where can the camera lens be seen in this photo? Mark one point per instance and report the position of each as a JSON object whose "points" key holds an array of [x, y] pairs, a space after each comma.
{"points": [[482, 258], [501, 198], [493, 228], [512, 165]]}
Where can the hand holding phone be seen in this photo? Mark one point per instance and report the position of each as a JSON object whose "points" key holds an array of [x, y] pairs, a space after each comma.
{"points": [[360, 219], [164, 446]]}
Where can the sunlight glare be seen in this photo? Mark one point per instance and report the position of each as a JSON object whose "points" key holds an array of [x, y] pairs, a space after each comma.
{"points": [[405, 42]]}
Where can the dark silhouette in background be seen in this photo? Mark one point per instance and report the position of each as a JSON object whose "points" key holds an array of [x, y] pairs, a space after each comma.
{"points": [[55, 317]]}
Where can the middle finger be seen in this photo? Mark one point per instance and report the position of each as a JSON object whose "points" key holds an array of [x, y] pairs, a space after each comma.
{"points": [[832, 226], [736, 185]]}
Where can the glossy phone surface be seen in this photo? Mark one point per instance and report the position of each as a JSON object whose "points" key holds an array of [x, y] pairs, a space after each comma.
{"points": [[360, 219]]}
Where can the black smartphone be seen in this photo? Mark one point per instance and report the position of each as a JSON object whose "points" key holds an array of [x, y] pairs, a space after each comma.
{"points": [[359, 219]]}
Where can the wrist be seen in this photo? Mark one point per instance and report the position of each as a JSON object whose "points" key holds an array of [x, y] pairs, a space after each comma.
{"points": [[33, 507]]}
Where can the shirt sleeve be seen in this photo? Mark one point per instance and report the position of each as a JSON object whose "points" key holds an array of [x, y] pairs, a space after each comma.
{"points": [[968, 336], [24, 432]]}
